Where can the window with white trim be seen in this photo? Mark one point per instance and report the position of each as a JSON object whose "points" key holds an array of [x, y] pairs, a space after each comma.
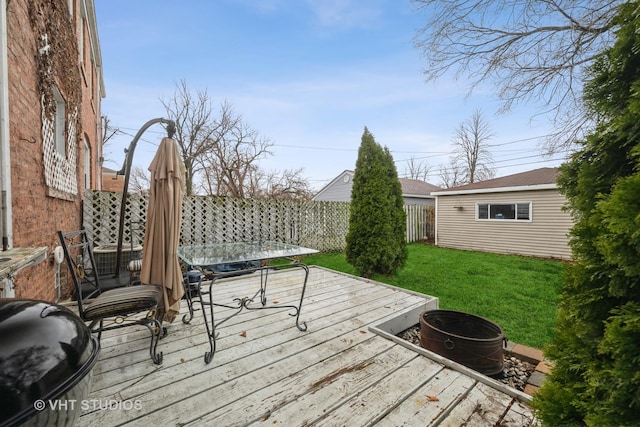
{"points": [[504, 211], [59, 123], [87, 164], [81, 41]]}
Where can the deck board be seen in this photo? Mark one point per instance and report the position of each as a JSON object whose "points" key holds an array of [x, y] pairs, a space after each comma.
{"points": [[428, 404], [266, 371], [394, 378]]}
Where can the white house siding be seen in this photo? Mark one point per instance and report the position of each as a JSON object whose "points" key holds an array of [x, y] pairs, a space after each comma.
{"points": [[545, 236], [414, 192], [340, 191]]}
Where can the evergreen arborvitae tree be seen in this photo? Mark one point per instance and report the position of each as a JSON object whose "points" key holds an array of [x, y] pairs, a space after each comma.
{"points": [[399, 217], [376, 240], [596, 349]]}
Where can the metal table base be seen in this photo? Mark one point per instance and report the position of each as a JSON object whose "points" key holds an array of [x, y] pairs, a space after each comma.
{"points": [[241, 303]]}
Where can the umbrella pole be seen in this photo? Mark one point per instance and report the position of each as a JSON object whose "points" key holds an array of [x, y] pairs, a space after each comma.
{"points": [[126, 171]]}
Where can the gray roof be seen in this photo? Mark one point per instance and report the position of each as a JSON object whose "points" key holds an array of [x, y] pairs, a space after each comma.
{"points": [[416, 187], [410, 187], [534, 177]]}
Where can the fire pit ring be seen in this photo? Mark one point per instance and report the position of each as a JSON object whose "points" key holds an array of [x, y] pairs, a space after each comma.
{"points": [[470, 340]]}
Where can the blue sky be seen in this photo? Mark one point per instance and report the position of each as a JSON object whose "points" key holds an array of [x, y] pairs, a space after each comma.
{"points": [[309, 75]]}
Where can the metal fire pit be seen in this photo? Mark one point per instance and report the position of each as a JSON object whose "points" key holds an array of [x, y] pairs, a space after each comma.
{"points": [[46, 357], [472, 341]]}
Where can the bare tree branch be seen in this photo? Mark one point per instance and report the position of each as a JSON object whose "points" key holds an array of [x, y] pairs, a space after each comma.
{"points": [[451, 175], [221, 152], [108, 132], [195, 127], [471, 160], [140, 180], [416, 169], [531, 50], [288, 184], [470, 149], [233, 159]]}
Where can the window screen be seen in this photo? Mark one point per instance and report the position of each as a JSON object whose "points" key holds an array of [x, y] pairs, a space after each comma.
{"points": [[505, 211]]}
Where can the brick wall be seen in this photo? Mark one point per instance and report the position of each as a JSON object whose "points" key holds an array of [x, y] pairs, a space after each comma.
{"points": [[111, 182], [90, 107], [37, 216]]}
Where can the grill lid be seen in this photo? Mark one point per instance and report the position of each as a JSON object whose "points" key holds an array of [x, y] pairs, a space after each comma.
{"points": [[45, 349]]}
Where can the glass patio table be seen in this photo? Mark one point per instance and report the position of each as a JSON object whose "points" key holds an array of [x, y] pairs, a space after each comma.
{"points": [[251, 257]]}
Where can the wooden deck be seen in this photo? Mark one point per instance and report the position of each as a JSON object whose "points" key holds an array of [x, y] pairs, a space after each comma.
{"points": [[265, 371]]}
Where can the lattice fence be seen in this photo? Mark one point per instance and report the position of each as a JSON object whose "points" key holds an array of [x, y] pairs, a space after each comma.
{"points": [[318, 225], [60, 170], [101, 216]]}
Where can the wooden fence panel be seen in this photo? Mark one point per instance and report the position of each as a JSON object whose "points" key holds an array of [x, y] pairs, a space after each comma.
{"points": [[420, 222], [318, 225]]}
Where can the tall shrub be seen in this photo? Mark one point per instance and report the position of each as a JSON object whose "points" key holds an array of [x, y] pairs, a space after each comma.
{"points": [[376, 240], [596, 378]]}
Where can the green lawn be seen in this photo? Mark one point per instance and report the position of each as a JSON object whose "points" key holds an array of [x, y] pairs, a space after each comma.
{"points": [[518, 293]]}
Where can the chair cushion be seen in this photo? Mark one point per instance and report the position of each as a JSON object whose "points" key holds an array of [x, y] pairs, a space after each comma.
{"points": [[122, 301], [134, 265]]}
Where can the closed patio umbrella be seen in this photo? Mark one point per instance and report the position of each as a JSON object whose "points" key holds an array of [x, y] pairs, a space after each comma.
{"points": [[160, 265]]}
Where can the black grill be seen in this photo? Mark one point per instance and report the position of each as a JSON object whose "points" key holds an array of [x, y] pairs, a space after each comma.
{"points": [[46, 357]]}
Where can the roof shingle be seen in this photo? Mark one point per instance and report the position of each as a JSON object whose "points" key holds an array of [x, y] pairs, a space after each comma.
{"points": [[417, 187], [533, 177]]}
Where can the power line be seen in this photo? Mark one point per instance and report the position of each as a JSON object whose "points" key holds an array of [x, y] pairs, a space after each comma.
{"points": [[310, 147], [447, 169], [532, 156], [315, 148], [428, 153], [518, 140], [501, 163], [136, 130]]}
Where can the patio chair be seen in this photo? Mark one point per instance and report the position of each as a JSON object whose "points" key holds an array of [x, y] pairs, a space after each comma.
{"points": [[113, 308]]}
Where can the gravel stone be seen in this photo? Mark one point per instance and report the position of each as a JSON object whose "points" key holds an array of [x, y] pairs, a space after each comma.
{"points": [[515, 374]]}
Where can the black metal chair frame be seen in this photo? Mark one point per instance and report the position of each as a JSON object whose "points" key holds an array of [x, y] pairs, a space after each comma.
{"points": [[95, 304]]}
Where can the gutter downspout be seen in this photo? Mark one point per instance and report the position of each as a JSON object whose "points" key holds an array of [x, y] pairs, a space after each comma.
{"points": [[435, 228], [6, 227]]}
